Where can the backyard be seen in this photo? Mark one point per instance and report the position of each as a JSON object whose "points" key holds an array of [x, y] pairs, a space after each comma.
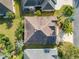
{"points": [[12, 24]]}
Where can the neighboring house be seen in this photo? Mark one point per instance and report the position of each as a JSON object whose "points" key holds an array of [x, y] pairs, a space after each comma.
{"points": [[40, 30], [44, 5], [41, 53], [6, 5]]}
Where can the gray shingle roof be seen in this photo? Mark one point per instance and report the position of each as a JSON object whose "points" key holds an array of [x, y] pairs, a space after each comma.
{"points": [[3, 9], [44, 4], [33, 2], [30, 3], [6, 5], [48, 5]]}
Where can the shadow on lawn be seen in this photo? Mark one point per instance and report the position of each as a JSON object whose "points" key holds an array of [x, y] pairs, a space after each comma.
{"points": [[7, 21]]}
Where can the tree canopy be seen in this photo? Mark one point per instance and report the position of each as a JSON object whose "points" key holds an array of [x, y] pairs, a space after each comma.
{"points": [[67, 26], [67, 10], [68, 51], [7, 46], [65, 19]]}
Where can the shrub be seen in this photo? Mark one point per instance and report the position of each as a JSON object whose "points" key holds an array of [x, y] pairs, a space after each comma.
{"points": [[20, 31], [10, 15], [38, 13]]}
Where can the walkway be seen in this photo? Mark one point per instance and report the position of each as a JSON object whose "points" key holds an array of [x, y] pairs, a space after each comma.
{"points": [[76, 27]]}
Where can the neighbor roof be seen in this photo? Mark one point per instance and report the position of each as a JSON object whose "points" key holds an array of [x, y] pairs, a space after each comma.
{"points": [[48, 5], [6, 5], [33, 2]]}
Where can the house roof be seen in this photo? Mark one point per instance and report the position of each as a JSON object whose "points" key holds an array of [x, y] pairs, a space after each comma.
{"points": [[36, 25], [41, 23], [6, 5]]}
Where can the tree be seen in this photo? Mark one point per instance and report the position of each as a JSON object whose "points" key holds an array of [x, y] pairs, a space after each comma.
{"points": [[67, 10], [68, 51], [10, 15], [67, 26]]}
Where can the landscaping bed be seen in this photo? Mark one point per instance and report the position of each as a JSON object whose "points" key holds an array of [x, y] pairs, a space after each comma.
{"points": [[41, 13], [39, 46]]}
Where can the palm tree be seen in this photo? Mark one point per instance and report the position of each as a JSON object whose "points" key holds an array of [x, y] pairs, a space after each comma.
{"points": [[7, 45], [67, 10]]}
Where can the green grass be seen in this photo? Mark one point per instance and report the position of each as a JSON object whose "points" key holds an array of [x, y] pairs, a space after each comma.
{"points": [[19, 56], [10, 32], [18, 9]]}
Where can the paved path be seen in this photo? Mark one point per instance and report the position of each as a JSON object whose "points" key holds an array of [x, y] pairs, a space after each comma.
{"points": [[76, 28]]}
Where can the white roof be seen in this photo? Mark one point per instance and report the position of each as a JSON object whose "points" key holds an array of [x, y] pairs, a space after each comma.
{"points": [[40, 53]]}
